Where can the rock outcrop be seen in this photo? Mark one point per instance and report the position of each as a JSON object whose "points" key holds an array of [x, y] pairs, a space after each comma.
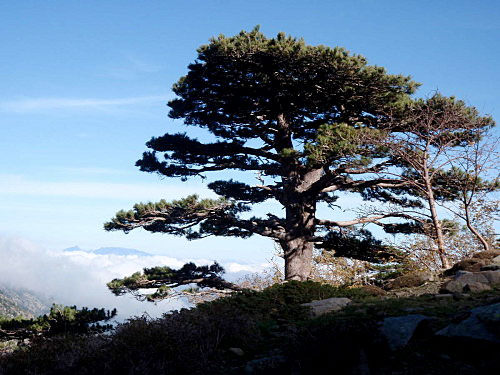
{"points": [[324, 306], [482, 324], [399, 330], [465, 281], [476, 263]]}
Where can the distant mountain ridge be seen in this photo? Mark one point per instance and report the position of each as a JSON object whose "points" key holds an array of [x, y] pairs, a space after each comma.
{"points": [[123, 251]]}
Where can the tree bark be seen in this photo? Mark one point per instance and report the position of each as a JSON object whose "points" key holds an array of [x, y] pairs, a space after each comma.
{"points": [[438, 231], [298, 259], [297, 247], [300, 209], [481, 239]]}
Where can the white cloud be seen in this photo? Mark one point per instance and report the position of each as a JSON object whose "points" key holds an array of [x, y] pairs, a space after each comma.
{"points": [[79, 278], [250, 268], [40, 104], [20, 185], [88, 170]]}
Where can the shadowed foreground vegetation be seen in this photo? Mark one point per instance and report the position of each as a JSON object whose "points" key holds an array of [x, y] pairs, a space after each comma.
{"points": [[63, 320], [267, 332]]}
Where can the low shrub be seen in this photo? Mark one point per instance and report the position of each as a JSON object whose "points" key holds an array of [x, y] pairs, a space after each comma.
{"points": [[283, 301], [271, 323], [185, 342]]}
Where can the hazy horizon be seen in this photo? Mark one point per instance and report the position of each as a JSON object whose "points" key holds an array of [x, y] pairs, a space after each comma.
{"points": [[80, 277]]}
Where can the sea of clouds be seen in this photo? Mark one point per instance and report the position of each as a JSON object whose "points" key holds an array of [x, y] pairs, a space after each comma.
{"points": [[79, 277]]}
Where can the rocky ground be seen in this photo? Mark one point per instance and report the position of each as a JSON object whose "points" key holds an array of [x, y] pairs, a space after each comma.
{"points": [[419, 323], [16, 302]]}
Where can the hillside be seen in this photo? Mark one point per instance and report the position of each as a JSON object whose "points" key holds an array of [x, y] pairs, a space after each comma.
{"points": [[417, 323], [21, 302], [271, 332]]}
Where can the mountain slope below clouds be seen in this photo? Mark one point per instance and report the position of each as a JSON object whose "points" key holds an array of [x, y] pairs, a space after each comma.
{"points": [[21, 302]]}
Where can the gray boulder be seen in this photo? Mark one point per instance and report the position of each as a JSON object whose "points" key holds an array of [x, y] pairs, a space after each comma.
{"points": [[265, 364], [482, 324], [237, 351], [324, 306], [473, 286], [464, 278], [469, 265], [399, 330]]}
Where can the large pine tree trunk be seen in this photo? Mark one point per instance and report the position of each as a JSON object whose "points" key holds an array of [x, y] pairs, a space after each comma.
{"points": [[300, 209], [298, 247], [298, 259]]}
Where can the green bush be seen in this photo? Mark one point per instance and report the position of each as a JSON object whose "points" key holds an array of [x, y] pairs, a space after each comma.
{"points": [[282, 301]]}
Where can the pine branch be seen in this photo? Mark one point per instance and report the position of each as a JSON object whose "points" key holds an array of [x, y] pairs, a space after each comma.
{"points": [[166, 279], [361, 220]]}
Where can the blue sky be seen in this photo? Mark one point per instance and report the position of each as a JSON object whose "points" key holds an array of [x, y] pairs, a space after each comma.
{"points": [[84, 85]]}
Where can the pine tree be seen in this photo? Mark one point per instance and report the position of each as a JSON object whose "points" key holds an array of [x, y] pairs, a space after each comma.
{"points": [[426, 141], [475, 178], [61, 320], [305, 118]]}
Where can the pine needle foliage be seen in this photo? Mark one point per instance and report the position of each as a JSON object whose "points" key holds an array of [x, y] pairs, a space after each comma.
{"points": [[163, 280], [304, 118]]}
